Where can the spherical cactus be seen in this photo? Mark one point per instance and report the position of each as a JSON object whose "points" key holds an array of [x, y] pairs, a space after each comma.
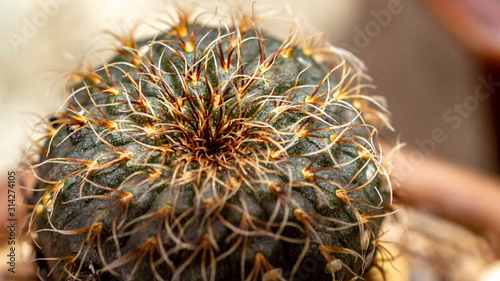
{"points": [[211, 153]]}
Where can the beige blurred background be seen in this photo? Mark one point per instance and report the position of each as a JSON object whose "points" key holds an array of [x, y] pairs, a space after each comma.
{"points": [[422, 70]]}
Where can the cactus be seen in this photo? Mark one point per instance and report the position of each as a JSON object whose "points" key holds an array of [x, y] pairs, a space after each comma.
{"points": [[211, 153]]}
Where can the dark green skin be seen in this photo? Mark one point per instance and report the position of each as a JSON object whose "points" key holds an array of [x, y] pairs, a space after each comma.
{"points": [[261, 202]]}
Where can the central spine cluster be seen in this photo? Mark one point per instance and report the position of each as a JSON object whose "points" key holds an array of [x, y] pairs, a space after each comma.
{"points": [[211, 154]]}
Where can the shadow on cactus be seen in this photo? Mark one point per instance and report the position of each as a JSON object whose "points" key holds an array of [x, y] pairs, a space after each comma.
{"points": [[212, 153]]}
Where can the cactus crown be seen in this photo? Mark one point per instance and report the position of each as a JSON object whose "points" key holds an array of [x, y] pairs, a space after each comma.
{"points": [[211, 153]]}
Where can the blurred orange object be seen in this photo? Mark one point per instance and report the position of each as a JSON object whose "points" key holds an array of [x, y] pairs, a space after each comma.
{"points": [[476, 23]]}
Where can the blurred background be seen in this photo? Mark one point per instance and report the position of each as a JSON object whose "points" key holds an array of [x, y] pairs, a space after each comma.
{"points": [[423, 71], [440, 91]]}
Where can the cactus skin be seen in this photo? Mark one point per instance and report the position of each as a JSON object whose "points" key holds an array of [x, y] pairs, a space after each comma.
{"points": [[211, 154]]}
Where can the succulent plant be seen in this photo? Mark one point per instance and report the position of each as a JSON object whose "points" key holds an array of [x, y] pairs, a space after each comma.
{"points": [[211, 153]]}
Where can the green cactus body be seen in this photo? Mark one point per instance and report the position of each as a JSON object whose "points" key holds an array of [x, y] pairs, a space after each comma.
{"points": [[211, 154]]}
